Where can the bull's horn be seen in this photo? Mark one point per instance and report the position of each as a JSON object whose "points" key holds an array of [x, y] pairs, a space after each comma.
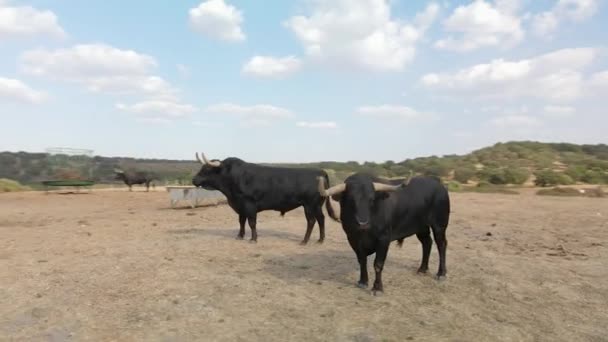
{"points": [[334, 190], [199, 159], [118, 171], [214, 163], [385, 187], [409, 178]]}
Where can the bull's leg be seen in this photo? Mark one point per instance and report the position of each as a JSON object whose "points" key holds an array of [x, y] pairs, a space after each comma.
{"points": [[130, 189], [427, 244], [381, 252], [147, 186], [242, 220], [321, 220], [363, 278], [252, 225], [442, 245], [310, 223]]}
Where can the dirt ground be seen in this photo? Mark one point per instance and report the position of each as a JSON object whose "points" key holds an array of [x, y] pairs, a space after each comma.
{"points": [[120, 266]]}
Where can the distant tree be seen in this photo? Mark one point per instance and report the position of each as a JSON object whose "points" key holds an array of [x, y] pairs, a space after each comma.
{"points": [[550, 178], [464, 174], [516, 175]]}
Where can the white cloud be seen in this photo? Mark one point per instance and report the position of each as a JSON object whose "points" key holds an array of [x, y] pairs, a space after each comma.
{"points": [[392, 112], [272, 67], [516, 121], [155, 120], [100, 67], [360, 33], [546, 23], [16, 90], [317, 124], [218, 20], [558, 111], [598, 83], [255, 115], [158, 107], [556, 76], [26, 21], [183, 70], [482, 24]]}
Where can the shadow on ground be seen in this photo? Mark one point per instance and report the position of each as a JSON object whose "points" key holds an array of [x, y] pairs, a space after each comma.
{"points": [[232, 233], [327, 265]]}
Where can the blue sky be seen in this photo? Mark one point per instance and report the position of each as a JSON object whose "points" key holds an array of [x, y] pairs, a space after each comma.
{"points": [[302, 80]]}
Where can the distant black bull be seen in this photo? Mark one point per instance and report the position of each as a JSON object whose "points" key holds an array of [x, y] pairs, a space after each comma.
{"points": [[251, 188], [375, 212], [137, 177]]}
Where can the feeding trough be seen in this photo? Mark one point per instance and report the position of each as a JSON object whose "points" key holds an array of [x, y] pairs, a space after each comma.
{"points": [[70, 168], [193, 195]]}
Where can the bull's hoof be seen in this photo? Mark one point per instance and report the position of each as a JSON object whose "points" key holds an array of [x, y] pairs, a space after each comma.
{"points": [[422, 271], [362, 285], [253, 241], [441, 278], [303, 243], [320, 241], [377, 293], [238, 237]]}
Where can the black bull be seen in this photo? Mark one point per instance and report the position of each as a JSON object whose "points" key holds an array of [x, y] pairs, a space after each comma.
{"points": [[132, 178], [375, 212], [252, 188]]}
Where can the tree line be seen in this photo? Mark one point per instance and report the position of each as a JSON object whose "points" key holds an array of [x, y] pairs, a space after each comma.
{"points": [[516, 163]]}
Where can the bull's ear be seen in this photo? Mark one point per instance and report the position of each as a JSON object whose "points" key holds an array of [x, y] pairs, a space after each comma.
{"points": [[337, 197]]}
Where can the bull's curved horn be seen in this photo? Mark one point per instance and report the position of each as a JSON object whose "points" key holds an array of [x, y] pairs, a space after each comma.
{"points": [[118, 171], [334, 190], [409, 178], [379, 187], [199, 159], [212, 163]]}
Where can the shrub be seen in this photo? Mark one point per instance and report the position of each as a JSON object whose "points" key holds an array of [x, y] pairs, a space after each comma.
{"points": [[493, 176], [463, 175], [454, 186], [550, 178], [594, 177], [9, 185], [516, 175]]}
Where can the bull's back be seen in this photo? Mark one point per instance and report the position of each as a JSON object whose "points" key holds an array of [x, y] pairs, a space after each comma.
{"points": [[423, 202], [280, 188]]}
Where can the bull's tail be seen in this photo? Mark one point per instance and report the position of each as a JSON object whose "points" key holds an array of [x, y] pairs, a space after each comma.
{"points": [[328, 206]]}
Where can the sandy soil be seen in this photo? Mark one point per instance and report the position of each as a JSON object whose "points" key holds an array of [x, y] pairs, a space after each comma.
{"points": [[114, 265]]}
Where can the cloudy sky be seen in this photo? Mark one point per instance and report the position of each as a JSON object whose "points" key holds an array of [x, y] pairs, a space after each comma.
{"points": [[301, 80]]}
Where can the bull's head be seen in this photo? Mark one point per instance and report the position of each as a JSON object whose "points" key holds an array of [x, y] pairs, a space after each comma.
{"points": [[357, 196], [120, 174], [209, 176]]}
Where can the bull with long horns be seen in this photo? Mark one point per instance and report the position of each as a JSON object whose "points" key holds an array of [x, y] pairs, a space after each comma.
{"points": [[251, 188], [375, 211]]}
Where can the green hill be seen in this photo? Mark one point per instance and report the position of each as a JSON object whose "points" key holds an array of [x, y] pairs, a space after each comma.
{"points": [[503, 163]]}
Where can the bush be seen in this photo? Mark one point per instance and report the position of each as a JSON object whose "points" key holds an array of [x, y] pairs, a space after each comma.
{"points": [[8, 185], [463, 175], [454, 186], [493, 176], [594, 177], [577, 172], [550, 178], [516, 175]]}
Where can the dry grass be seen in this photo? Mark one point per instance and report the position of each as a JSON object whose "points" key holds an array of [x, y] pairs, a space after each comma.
{"points": [[114, 265], [572, 192]]}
